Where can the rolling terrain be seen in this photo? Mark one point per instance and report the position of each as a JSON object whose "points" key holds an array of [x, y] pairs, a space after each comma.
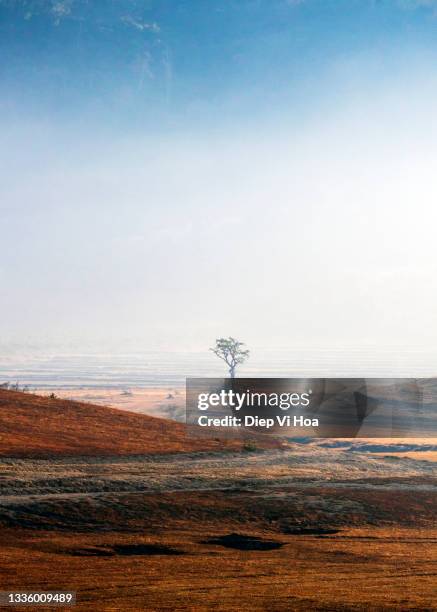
{"points": [[132, 513], [37, 426]]}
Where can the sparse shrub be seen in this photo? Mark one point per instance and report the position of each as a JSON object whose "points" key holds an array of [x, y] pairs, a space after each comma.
{"points": [[53, 396]]}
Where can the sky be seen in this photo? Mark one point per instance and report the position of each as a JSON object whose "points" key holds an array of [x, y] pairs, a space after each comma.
{"points": [[175, 171]]}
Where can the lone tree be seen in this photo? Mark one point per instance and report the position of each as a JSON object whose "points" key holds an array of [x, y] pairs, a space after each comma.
{"points": [[231, 352]]}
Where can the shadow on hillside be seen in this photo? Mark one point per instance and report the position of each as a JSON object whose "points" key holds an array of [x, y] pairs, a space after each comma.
{"points": [[243, 542]]}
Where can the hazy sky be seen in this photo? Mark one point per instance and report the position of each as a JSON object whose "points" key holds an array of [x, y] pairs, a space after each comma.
{"points": [[172, 171]]}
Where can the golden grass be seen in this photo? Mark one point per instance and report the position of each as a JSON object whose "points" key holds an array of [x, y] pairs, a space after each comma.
{"points": [[32, 425], [359, 569], [383, 557]]}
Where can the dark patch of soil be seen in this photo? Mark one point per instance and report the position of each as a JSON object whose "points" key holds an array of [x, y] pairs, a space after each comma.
{"points": [[91, 552], [126, 550], [244, 542]]}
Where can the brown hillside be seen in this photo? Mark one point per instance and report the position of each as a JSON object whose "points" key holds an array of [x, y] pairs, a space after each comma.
{"points": [[32, 425]]}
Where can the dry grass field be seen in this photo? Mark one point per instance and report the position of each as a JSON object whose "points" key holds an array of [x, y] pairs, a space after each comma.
{"points": [[132, 514], [167, 402], [180, 569], [32, 425]]}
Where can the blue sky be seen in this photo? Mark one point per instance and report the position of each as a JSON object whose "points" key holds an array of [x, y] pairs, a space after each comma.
{"points": [[172, 171], [175, 60]]}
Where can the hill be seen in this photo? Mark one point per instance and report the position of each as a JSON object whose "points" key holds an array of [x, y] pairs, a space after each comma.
{"points": [[37, 426]]}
